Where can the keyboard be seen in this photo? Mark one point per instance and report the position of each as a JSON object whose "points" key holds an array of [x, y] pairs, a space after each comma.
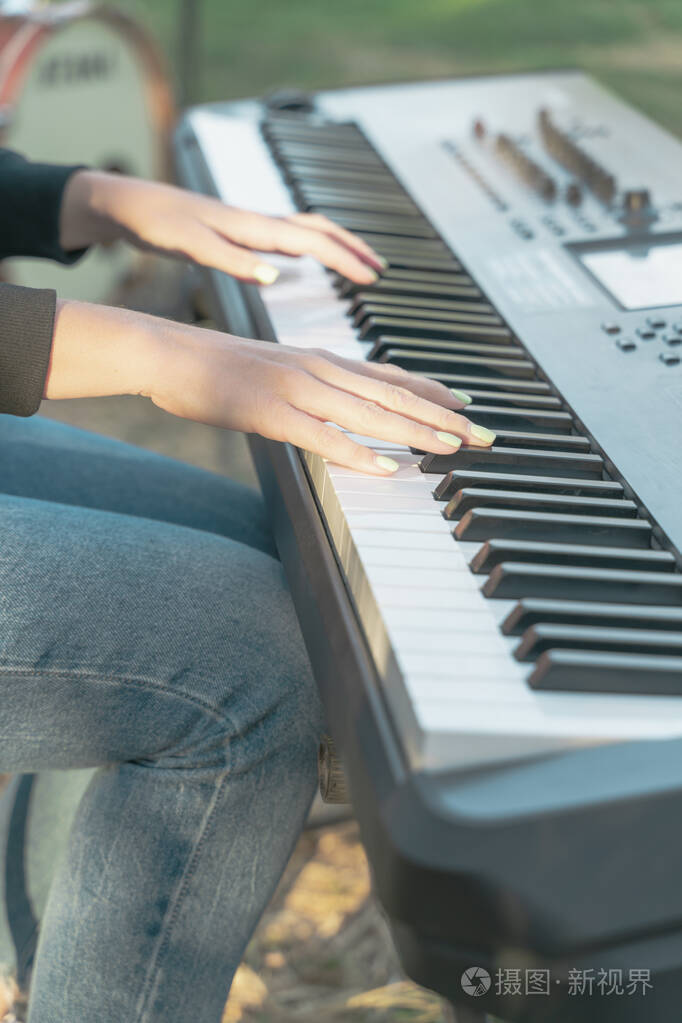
{"points": [[498, 632]]}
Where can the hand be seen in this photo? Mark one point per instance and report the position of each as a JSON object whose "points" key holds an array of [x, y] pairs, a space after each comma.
{"points": [[273, 390], [290, 395], [99, 207]]}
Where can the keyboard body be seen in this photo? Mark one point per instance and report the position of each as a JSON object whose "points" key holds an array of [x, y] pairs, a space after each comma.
{"points": [[506, 824]]}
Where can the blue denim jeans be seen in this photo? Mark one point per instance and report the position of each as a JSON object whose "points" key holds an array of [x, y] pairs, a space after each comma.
{"points": [[146, 631]]}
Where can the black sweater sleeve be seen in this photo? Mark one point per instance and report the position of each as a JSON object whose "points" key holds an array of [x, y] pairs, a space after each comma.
{"points": [[30, 200]]}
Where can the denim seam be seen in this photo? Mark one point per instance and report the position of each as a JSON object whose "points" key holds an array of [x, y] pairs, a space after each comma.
{"points": [[126, 679], [174, 910]]}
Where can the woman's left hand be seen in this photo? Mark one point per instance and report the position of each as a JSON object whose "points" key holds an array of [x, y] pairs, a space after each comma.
{"points": [[101, 207]]}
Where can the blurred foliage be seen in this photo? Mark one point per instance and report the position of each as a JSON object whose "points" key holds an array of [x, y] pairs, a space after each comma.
{"points": [[249, 47]]}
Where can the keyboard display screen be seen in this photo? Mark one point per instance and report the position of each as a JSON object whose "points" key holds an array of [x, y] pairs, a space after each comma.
{"points": [[640, 276]]}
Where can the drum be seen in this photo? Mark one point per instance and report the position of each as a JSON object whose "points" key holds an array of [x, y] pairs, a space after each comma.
{"points": [[83, 84]]}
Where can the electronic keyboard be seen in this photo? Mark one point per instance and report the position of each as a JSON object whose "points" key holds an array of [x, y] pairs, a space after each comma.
{"points": [[497, 633]]}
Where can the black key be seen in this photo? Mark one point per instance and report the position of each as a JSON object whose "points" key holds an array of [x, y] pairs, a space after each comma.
{"points": [[441, 361], [529, 612], [337, 156], [495, 552], [425, 277], [514, 579], [520, 460], [375, 326], [349, 288], [303, 170], [501, 391], [459, 479], [409, 260], [394, 243], [519, 500], [397, 302], [584, 637], [595, 672], [454, 314], [428, 344], [382, 223], [330, 189], [528, 419], [504, 523], [287, 128], [529, 439], [313, 199]]}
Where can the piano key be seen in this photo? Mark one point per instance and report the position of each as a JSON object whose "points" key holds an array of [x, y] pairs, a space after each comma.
{"points": [[413, 359], [374, 326], [522, 460], [501, 390], [385, 285], [530, 611], [408, 259], [459, 479], [494, 552], [286, 127], [475, 346], [516, 579], [381, 223], [452, 314], [417, 246], [531, 439], [539, 638], [591, 671], [303, 170], [497, 416], [397, 302], [520, 500], [502, 523], [425, 277], [313, 198], [337, 156]]}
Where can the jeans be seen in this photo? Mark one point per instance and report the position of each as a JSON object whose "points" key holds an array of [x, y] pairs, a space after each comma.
{"points": [[146, 631]]}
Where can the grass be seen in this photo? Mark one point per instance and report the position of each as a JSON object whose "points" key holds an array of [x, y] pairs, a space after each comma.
{"points": [[249, 47]]}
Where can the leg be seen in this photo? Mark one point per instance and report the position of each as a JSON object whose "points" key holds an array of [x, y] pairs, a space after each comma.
{"points": [[51, 461], [172, 658]]}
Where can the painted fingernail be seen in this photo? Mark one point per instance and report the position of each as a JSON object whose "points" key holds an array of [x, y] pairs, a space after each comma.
{"points": [[383, 462], [466, 399], [480, 433], [383, 262], [449, 438], [266, 274], [374, 278]]}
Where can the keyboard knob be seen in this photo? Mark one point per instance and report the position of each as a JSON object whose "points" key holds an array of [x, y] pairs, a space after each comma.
{"points": [[332, 777], [636, 200]]}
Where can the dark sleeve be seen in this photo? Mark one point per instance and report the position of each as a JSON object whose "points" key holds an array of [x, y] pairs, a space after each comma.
{"points": [[26, 326], [30, 200]]}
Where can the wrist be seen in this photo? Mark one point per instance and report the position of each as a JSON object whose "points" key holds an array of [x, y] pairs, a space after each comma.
{"points": [[85, 217]]}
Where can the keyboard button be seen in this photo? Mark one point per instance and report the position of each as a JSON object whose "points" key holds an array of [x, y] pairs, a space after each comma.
{"points": [[585, 671], [610, 328], [514, 579], [502, 523], [539, 638], [532, 611], [521, 460], [494, 552], [459, 479]]}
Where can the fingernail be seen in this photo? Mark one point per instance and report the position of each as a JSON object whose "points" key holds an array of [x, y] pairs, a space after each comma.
{"points": [[374, 278], [384, 462], [461, 396], [266, 274], [480, 433], [383, 261], [449, 438]]}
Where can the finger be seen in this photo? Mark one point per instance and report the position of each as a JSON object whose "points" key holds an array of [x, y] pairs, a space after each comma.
{"points": [[400, 400], [307, 432], [273, 234], [365, 417], [318, 222], [203, 246], [432, 390]]}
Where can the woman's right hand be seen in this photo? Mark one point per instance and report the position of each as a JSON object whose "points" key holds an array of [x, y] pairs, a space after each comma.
{"points": [[283, 393]]}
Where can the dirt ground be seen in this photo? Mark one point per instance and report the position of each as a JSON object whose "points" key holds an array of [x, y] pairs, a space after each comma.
{"points": [[322, 950]]}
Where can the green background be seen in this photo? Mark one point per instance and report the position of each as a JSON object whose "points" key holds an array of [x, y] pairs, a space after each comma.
{"points": [[248, 47]]}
